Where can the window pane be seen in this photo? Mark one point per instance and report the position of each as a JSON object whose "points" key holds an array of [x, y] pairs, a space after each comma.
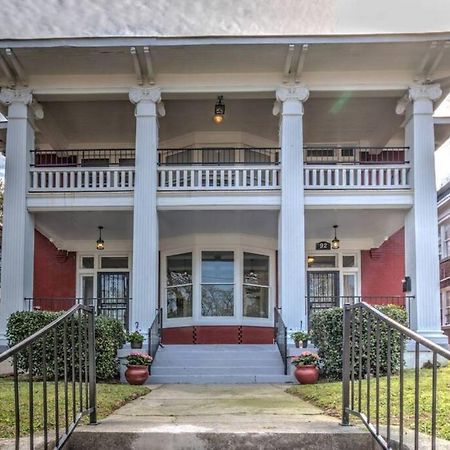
{"points": [[179, 302], [319, 261], [256, 301], [348, 261], [217, 300], [217, 267], [87, 287], [179, 269], [349, 285], [87, 262], [115, 262], [256, 269]]}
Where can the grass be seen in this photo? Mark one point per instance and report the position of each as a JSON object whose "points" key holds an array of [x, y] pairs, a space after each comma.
{"points": [[328, 396], [109, 398]]}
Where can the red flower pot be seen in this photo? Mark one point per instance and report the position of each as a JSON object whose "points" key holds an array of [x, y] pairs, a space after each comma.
{"points": [[307, 374], [136, 374]]}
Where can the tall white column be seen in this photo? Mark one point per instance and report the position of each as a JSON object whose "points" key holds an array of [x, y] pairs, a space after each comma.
{"points": [[291, 235], [421, 223], [18, 224], [145, 217]]}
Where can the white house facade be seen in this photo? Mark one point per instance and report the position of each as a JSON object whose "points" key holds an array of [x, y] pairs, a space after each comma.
{"points": [[322, 150]]}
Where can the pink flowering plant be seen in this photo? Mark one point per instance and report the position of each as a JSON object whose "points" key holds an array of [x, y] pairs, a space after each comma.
{"points": [[139, 359], [305, 359]]}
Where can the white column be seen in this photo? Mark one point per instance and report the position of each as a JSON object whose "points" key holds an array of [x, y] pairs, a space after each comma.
{"points": [[421, 223], [145, 217], [18, 224], [291, 235]]}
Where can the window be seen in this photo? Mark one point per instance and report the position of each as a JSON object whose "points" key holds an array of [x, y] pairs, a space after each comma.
{"points": [[87, 262], [87, 289], [349, 287], [256, 285], [348, 261], [447, 308], [114, 262], [179, 286], [321, 261], [217, 284], [445, 241]]}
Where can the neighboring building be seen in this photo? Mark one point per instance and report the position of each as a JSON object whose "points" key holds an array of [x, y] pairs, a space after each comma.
{"points": [[444, 240], [219, 222]]}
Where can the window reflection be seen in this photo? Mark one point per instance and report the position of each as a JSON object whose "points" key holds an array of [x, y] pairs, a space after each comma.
{"points": [[179, 285]]}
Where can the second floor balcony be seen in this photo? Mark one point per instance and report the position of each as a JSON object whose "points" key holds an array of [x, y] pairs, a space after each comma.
{"points": [[220, 169]]}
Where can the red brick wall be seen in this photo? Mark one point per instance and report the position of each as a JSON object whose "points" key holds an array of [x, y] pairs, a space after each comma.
{"points": [[54, 275], [383, 269]]}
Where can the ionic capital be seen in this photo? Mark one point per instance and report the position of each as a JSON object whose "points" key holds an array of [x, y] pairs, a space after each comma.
{"points": [[145, 94], [9, 96], [297, 92], [417, 92]]}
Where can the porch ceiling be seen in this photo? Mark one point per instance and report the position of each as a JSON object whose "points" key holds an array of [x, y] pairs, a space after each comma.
{"points": [[341, 118]]}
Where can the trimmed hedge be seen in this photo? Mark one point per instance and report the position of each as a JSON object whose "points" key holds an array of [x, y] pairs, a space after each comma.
{"points": [[326, 334], [109, 337]]}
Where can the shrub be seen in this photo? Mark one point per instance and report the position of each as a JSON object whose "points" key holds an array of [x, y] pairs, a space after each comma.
{"points": [[109, 334], [326, 334]]}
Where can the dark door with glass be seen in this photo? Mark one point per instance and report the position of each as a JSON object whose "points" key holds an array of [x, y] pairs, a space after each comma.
{"points": [[323, 290], [113, 295]]}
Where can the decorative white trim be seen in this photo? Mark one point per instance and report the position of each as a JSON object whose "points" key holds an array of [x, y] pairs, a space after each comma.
{"points": [[145, 94], [9, 96]]}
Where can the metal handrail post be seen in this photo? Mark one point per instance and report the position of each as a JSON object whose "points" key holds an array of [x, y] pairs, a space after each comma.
{"points": [[346, 366], [92, 369]]}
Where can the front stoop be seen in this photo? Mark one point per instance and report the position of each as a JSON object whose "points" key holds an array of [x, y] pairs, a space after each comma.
{"points": [[176, 417], [218, 364]]}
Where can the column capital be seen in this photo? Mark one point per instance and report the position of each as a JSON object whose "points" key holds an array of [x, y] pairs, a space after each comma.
{"points": [[294, 95], [9, 96], [145, 94], [297, 92], [416, 92]]}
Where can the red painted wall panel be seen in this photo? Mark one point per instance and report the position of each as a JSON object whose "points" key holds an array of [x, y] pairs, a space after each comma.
{"points": [[383, 269], [54, 275]]}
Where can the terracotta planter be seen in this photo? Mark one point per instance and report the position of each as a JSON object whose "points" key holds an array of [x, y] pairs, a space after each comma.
{"points": [[136, 374], [136, 344], [307, 374]]}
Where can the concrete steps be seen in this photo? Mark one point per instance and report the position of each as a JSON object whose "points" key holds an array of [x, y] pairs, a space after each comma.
{"points": [[218, 364]]}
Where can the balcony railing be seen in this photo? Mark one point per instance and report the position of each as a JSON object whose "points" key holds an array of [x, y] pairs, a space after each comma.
{"points": [[198, 169]]}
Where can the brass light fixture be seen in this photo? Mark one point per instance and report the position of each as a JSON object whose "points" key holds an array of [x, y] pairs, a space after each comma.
{"points": [[100, 241], [310, 260], [219, 110], [335, 243]]}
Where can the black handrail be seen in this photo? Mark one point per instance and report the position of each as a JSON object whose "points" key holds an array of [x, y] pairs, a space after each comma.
{"points": [[75, 362], [155, 334], [359, 351], [281, 337]]}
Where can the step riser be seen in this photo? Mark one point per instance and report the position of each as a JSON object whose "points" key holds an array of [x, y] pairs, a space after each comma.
{"points": [[270, 370], [218, 379], [216, 441]]}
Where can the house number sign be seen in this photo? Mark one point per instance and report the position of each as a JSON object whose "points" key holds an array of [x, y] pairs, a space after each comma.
{"points": [[323, 245]]}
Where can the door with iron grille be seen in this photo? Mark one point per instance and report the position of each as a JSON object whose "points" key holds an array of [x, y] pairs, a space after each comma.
{"points": [[323, 290], [113, 295]]}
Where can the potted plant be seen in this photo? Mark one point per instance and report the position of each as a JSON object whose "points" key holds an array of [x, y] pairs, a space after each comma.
{"points": [[137, 367], [306, 371], [300, 336], [135, 339]]}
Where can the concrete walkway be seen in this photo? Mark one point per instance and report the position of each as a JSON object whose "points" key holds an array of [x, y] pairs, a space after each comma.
{"points": [[260, 416]]}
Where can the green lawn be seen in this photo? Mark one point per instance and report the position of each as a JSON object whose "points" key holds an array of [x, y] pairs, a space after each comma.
{"points": [[328, 396], [109, 398]]}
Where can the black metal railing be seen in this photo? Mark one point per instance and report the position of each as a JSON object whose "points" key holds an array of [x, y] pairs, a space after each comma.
{"points": [[59, 360], [370, 357], [354, 155], [317, 303], [155, 334], [114, 307], [83, 158], [218, 156], [280, 331]]}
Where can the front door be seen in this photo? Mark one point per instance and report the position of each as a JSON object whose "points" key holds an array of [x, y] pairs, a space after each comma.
{"points": [[323, 290], [113, 295]]}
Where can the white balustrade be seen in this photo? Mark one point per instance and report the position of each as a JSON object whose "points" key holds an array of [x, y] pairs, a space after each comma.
{"points": [[189, 178], [81, 179], [357, 177], [216, 178]]}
